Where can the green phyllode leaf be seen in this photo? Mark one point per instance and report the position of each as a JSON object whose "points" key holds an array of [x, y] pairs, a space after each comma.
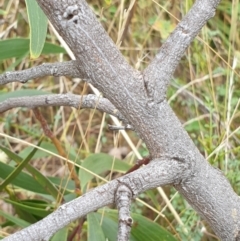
{"points": [[95, 231], [37, 208], [37, 183], [18, 221], [38, 28], [143, 229], [61, 235], [99, 163], [18, 47], [19, 168]]}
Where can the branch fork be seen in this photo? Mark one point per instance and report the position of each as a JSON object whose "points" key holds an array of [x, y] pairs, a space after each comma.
{"points": [[127, 92]]}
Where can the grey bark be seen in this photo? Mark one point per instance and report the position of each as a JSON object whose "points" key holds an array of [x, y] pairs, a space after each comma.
{"points": [[57, 69], [123, 198], [76, 101], [140, 97]]}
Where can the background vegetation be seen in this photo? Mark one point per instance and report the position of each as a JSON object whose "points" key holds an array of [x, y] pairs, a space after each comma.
{"points": [[204, 94]]}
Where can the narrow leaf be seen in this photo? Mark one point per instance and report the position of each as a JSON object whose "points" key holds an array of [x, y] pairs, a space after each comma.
{"points": [[143, 229], [38, 176], [95, 232], [23, 180], [19, 168], [99, 163], [61, 235], [17, 47], [31, 207], [13, 219], [21, 93], [38, 28]]}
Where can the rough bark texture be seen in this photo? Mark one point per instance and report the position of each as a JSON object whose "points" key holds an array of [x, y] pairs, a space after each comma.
{"points": [[77, 101], [140, 97]]}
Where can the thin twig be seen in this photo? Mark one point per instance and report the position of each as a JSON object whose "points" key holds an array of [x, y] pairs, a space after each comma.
{"points": [[123, 199], [77, 101], [59, 148], [51, 69]]}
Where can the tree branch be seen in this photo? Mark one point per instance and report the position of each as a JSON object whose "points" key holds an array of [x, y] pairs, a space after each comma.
{"points": [[141, 100], [79, 102], [97, 56], [159, 72], [123, 198], [137, 182], [56, 69]]}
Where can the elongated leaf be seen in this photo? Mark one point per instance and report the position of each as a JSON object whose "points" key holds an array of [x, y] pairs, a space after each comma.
{"points": [[21, 93], [19, 168], [61, 235], [99, 163], [24, 215], [38, 28], [31, 207], [13, 219], [38, 176], [47, 146], [109, 225], [17, 47], [143, 229], [95, 232], [23, 180]]}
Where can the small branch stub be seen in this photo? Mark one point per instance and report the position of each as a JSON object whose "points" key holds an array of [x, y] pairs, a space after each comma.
{"points": [[123, 199], [119, 128], [49, 69]]}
